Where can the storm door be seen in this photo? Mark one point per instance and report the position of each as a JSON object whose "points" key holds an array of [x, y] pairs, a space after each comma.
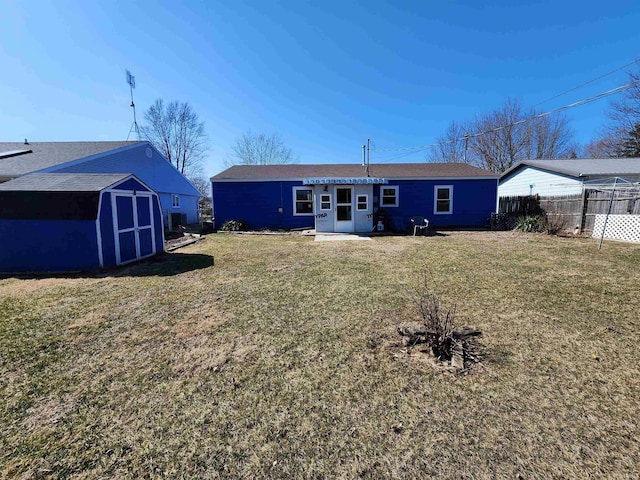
{"points": [[344, 209]]}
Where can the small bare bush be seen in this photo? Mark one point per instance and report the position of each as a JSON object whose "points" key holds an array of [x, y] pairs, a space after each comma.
{"points": [[438, 331], [555, 223]]}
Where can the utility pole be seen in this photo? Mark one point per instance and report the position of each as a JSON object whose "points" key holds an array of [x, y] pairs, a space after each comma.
{"points": [[368, 155], [466, 144]]}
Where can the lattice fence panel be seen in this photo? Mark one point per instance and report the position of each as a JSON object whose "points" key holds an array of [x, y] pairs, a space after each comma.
{"points": [[619, 227]]}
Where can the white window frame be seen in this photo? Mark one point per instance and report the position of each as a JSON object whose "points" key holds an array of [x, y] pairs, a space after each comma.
{"points": [[435, 199], [295, 201], [397, 195], [366, 202], [325, 201], [175, 200]]}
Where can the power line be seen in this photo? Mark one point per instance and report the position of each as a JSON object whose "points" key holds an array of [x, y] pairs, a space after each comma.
{"points": [[519, 122], [584, 84]]}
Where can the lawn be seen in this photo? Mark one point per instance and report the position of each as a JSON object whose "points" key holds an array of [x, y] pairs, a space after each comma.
{"points": [[276, 357]]}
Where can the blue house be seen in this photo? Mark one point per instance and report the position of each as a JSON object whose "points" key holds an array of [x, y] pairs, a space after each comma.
{"points": [[354, 198], [60, 222], [177, 195]]}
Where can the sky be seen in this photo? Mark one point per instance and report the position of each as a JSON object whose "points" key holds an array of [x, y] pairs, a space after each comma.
{"points": [[325, 75]]}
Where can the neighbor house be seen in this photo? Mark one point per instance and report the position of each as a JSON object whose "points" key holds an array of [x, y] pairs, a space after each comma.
{"points": [[354, 198], [177, 194], [549, 178]]}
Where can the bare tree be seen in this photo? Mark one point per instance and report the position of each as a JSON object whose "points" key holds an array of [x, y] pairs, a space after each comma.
{"points": [[260, 149], [451, 146], [549, 137], [499, 139], [202, 184], [621, 137], [605, 146], [177, 132]]}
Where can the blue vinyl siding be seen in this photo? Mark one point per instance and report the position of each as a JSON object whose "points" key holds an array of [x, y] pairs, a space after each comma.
{"points": [[48, 245], [188, 205], [474, 200], [106, 231], [156, 172], [257, 203], [132, 184]]}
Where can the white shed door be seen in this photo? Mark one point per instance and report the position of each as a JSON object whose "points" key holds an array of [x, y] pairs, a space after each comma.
{"points": [[133, 227]]}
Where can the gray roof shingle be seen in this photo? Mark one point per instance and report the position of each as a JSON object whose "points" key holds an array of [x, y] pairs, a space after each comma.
{"points": [[584, 167], [63, 182], [391, 170], [49, 154]]}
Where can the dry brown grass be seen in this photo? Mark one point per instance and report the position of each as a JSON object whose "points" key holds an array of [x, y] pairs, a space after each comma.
{"points": [[275, 363]]}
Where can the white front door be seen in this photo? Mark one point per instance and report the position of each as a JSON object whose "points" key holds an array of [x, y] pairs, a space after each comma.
{"points": [[343, 210]]}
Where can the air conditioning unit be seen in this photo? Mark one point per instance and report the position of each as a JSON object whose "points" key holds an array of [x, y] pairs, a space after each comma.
{"points": [[176, 219]]}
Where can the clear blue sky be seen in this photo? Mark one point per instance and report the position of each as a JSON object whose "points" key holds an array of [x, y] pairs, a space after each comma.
{"points": [[324, 74]]}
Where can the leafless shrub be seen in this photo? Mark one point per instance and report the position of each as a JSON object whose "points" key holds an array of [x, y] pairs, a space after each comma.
{"points": [[555, 223], [438, 331]]}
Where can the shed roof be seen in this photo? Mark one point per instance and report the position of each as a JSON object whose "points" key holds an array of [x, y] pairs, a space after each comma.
{"points": [[392, 170], [18, 158], [63, 182], [583, 167]]}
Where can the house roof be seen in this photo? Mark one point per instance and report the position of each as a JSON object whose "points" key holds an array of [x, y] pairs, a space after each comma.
{"points": [[391, 170], [63, 182], [583, 167], [18, 158]]}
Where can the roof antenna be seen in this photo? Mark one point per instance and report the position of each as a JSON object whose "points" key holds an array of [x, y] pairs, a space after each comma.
{"points": [[131, 80]]}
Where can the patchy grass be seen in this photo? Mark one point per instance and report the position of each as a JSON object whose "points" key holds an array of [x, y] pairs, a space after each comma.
{"points": [[274, 361]]}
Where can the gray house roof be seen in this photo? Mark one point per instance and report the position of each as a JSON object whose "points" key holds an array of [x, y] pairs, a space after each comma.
{"points": [[583, 167], [63, 182], [394, 170], [17, 158]]}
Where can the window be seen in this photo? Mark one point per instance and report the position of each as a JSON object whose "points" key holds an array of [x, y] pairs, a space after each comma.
{"points": [[389, 196], [302, 201], [325, 201], [443, 199], [363, 202], [175, 201]]}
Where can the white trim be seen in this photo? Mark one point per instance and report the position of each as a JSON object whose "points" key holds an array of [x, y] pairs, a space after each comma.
{"points": [[146, 227], [397, 195], [175, 196], [116, 233], [136, 228], [295, 200], [330, 202], [345, 181], [435, 199], [351, 223], [366, 202]]}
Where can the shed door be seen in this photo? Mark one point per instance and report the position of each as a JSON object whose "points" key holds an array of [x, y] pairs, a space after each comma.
{"points": [[133, 227]]}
